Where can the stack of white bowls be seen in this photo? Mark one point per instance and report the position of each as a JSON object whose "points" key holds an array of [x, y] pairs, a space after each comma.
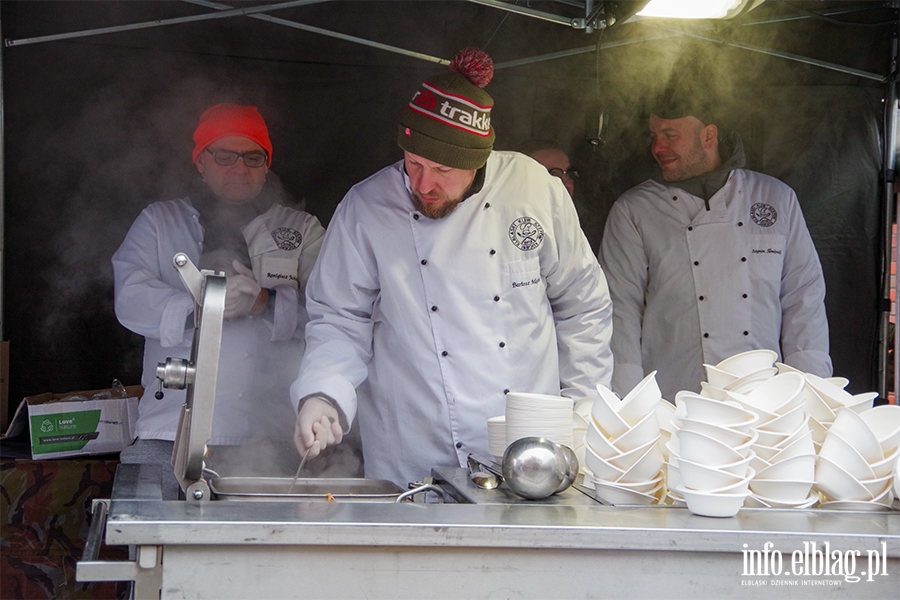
{"points": [[785, 455], [857, 461], [710, 454], [539, 415], [740, 373], [581, 419], [825, 398], [622, 453]]}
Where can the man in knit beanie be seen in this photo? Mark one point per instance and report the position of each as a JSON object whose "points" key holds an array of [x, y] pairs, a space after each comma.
{"points": [[234, 222], [446, 280]]}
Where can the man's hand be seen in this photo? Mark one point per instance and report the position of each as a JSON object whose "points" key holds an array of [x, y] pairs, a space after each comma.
{"points": [[318, 426], [241, 292]]}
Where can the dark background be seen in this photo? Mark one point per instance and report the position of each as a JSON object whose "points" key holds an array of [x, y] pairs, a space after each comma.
{"points": [[95, 128]]}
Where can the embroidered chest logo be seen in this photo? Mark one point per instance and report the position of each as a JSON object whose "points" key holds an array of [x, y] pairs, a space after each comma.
{"points": [[763, 215], [287, 238], [526, 234]]}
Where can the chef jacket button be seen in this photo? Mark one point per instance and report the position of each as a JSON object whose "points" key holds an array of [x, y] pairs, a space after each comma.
{"points": [[416, 217], [424, 262], [487, 204], [746, 333], [496, 298], [706, 335], [434, 309], [196, 217], [506, 391], [690, 228], [743, 259], [696, 263], [740, 223], [674, 197], [459, 444], [444, 353], [493, 252], [503, 344], [743, 295], [701, 298]]}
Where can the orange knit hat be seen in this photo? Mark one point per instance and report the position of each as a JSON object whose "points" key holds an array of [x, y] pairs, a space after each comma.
{"points": [[224, 120]]}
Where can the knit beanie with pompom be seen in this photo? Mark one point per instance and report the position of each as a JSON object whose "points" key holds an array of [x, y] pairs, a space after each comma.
{"points": [[448, 120]]}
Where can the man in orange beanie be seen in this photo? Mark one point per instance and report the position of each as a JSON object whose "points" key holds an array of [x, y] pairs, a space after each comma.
{"points": [[446, 280], [239, 224]]}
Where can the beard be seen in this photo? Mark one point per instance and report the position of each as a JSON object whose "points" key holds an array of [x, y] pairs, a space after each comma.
{"points": [[437, 210]]}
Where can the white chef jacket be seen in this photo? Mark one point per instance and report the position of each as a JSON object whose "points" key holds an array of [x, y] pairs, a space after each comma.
{"points": [[259, 354], [689, 290], [440, 317]]}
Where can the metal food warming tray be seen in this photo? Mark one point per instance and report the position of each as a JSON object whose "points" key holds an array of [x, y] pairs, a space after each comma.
{"points": [[326, 490]]}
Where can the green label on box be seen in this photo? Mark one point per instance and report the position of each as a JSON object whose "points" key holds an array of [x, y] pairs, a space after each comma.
{"points": [[63, 432]]}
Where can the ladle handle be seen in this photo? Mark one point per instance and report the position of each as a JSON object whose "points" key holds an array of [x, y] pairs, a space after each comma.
{"points": [[476, 463]]}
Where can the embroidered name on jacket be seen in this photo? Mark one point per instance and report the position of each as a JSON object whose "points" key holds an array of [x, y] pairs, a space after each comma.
{"points": [[452, 110], [763, 215], [526, 233], [287, 238]]}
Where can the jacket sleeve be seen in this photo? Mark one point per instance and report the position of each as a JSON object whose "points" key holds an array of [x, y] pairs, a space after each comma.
{"points": [[144, 302], [582, 311], [804, 324], [290, 316], [626, 266], [340, 296]]}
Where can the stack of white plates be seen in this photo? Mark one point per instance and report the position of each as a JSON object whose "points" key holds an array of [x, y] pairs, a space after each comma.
{"points": [[785, 455], [623, 456], [496, 427], [710, 454], [858, 458], [539, 415], [581, 419]]}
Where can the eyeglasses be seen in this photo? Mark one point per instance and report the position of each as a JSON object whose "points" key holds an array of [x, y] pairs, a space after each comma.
{"points": [[225, 158], [571, 173]]}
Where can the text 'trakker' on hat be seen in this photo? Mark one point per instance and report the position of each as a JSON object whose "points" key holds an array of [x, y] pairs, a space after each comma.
{"points": [[448, 120]]}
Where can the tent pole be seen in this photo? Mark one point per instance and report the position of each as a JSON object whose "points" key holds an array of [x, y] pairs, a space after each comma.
{"points": [[891, 206]]}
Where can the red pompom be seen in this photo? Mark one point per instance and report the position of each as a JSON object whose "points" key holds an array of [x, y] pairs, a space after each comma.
{"points": [[475, 65]]}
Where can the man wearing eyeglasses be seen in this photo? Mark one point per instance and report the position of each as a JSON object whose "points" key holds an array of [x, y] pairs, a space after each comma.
{"points": [[554, 159], [235, 223]]}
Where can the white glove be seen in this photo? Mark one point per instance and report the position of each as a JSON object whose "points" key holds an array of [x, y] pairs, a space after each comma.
{"points": [[241, 292], [318, 426]]}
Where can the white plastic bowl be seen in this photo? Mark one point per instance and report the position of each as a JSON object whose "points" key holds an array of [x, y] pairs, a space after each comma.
{"points": [[621, 496], [834, 396], [863, 402], [798, 468], [716, 377], [762, 416], [665, 414], [856, 432], [708, 504], [644, 487], [837, 484], [783, 491], [726, 435], [642, 432], [783, 368], [641, 400], [766, 502], [748, 362], [600, 467], [648, 466], [836, 449], [800, 446], [626, 460], [884, 421], [769, 439], [787, 422], [779, 394], [699, 447], [748, 383], [841, 382], [698, 476], [597, 441], [712, 411], [605, 411], [709, 390], [886, 466], [877, 487], [819, 429]]}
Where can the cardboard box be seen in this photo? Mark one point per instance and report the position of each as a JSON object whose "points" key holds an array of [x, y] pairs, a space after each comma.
{"points": [[77, 423]]}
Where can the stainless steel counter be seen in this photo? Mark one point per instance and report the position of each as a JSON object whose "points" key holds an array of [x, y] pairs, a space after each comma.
{"points": [[567, 546]]}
